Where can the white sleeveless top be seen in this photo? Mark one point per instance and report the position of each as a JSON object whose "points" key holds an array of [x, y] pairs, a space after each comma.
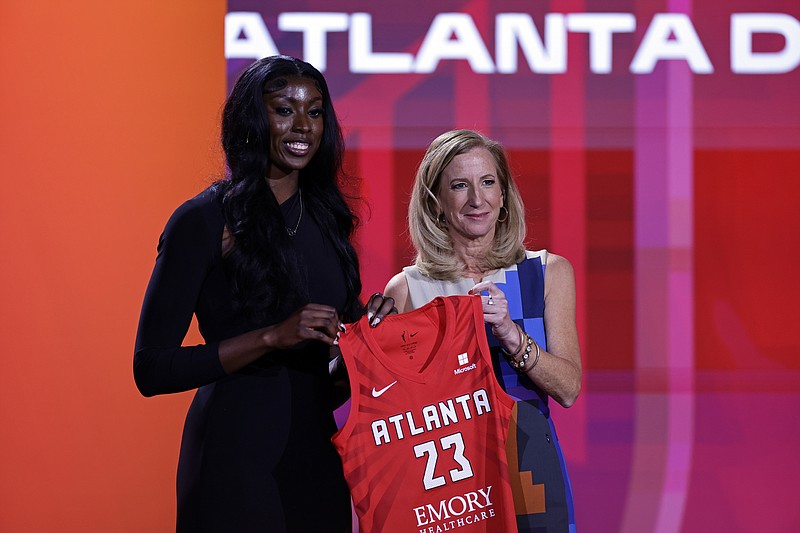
{"points": [[422, 289]]}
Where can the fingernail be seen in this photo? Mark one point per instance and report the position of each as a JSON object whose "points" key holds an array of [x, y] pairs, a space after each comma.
{"points": [[375, 322], [370, 314], [342, 328], [336, 341]]}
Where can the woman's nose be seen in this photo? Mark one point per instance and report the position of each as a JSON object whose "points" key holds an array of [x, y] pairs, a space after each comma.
{"points": [[301, 122], [475, 197]]}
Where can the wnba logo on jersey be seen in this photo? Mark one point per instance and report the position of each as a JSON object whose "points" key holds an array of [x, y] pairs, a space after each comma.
{"points": [[407, 336], [463, 359]]}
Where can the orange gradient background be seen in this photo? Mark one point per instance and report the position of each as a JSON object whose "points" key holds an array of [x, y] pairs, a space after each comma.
{"points": [[109, 120]]}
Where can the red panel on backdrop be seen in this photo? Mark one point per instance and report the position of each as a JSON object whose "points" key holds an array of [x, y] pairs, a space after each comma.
{"points": [[748, 248], [610, 229]]}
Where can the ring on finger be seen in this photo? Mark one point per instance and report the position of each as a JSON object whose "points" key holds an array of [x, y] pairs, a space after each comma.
{"points": [[491, 301]]}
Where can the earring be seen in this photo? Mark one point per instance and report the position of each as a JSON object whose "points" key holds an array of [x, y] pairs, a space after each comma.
{"points": [[247, 139], [441, 221], [503, 208]]}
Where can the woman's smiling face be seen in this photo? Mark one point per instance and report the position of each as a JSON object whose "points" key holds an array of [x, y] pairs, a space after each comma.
{"points": [[296, 123], [470, 195]]}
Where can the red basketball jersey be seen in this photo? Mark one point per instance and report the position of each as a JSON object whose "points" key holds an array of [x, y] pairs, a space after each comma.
{"points": [[423, 447]]}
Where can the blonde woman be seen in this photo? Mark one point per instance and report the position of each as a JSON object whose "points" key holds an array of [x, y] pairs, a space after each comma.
{"points": [[467, 225]]}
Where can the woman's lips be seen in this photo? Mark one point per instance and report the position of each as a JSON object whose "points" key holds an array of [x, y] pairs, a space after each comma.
{"points": [[298, 148]]}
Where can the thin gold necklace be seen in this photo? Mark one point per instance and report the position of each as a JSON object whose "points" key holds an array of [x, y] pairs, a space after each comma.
{"points": [[289, 230]]}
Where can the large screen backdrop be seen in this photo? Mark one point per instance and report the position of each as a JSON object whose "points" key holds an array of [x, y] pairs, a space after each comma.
{"points": [[657, 147]]}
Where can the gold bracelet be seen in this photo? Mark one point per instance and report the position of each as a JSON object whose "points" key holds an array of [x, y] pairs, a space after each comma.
{"points": [[536, 359], [525, 350], [521, 344]]}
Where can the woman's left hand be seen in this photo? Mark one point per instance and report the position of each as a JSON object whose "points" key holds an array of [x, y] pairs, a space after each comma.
{"points": [[495, 313]]}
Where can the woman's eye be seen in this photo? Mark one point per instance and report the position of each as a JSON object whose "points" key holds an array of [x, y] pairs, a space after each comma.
{"points": [[457, 186], [315, 113], [489, 182], [283, 111]]}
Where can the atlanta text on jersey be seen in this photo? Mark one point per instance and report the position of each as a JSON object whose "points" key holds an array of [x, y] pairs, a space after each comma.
{"points": [[455, 512], [433, 416]]}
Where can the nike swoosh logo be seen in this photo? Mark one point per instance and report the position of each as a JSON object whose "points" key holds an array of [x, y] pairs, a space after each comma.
{"points": [[376, 393]]}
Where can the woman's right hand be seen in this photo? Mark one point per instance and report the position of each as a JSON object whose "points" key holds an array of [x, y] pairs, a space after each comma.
{"points": [[495, 313], [310, 322]]}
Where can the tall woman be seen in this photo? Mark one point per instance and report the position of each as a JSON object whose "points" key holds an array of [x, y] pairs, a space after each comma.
{"points": [[467, 224], [264, 260]]}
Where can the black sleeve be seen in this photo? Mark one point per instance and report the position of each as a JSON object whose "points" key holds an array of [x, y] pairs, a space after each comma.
{"points": [[160, 364]]}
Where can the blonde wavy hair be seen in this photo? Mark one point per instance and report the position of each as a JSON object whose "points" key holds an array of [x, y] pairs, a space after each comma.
{"points": [[435, 255]]}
